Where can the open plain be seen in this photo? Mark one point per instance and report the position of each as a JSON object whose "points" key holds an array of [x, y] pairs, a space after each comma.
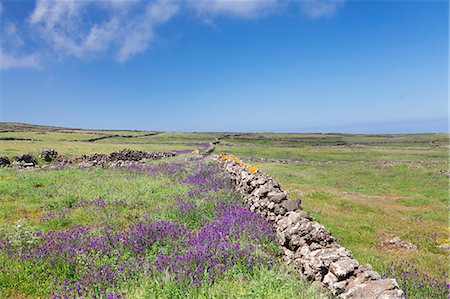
{"points": [[148, 230]]}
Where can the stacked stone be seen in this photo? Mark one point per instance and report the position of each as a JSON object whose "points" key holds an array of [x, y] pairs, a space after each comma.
{"points": [[24, 161], [306, 244], [4, 161], [211, 147], [133, 155], [280, 161], [120, 158], [48, 155], [117, 159]]}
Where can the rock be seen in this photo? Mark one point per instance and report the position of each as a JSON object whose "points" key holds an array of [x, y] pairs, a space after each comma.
{"points": [[366, 273], [338, 287], [210, 149], [329, 279], [382, 288], [444, 247], [307, 245], [279, 210], [291, 204], [276, 197], [263, 190], [4, 161], [399, 244], [48, 155], [25, 160], [344, 267]]}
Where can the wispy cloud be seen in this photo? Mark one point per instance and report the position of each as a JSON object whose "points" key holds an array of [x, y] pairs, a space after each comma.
{"points": [[138, 33], [10, 61], [234, 8], [11, 52], [320, 8], [67, 28], [119, 30]]}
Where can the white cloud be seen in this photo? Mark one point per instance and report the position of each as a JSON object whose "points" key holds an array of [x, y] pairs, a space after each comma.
{"points": [[235, 8], [11, 52], [126, 29], [9, 61], [320, 8], [119, 29], [138, 34], [12, 35]]}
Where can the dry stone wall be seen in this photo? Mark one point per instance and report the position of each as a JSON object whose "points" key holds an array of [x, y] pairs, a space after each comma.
{"points": [[116, 159], [306, 244]]}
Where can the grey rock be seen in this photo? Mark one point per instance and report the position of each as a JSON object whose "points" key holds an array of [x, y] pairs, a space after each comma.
{"points": [[262, 190], [444, 247], [307, 245], [338, 287], [279, 210], [382, 289], [344, 267], [48, 155], [25, 160], [399, 244], [291, 204], [276, 197], [4, 161], [329, 279]]}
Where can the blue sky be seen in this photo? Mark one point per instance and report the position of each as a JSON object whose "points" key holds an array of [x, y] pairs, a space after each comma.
{"points": [[291, 66]]}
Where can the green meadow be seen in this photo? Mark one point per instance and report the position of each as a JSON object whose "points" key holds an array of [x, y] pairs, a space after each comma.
{"points": [[366, 189]]}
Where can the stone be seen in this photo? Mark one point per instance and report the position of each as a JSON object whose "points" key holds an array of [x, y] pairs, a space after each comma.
{"points": [[366, 273], [295, 242], [25, 160], [291, 204], [307, 245], [48, 155], [276, 197], [329, 279], [338, 287], [279, 210], [344, 267], [260, 180], [4, 161], [442, 246], [399, 244], [382, 288], [263, 190]]}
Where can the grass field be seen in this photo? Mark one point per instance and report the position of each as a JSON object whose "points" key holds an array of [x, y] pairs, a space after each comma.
{"points": [[366, 189], [136, 233]]}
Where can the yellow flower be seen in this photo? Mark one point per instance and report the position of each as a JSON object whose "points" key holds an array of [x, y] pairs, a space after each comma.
{"points": [[235, 159], [252, 169], [223, 158]]}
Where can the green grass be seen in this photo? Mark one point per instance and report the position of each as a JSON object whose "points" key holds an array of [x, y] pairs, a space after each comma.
{"points": [[305, 140], [365, 204], [28, 196], [359, 191], [263, 283], [68, 148], [323, 154]]}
